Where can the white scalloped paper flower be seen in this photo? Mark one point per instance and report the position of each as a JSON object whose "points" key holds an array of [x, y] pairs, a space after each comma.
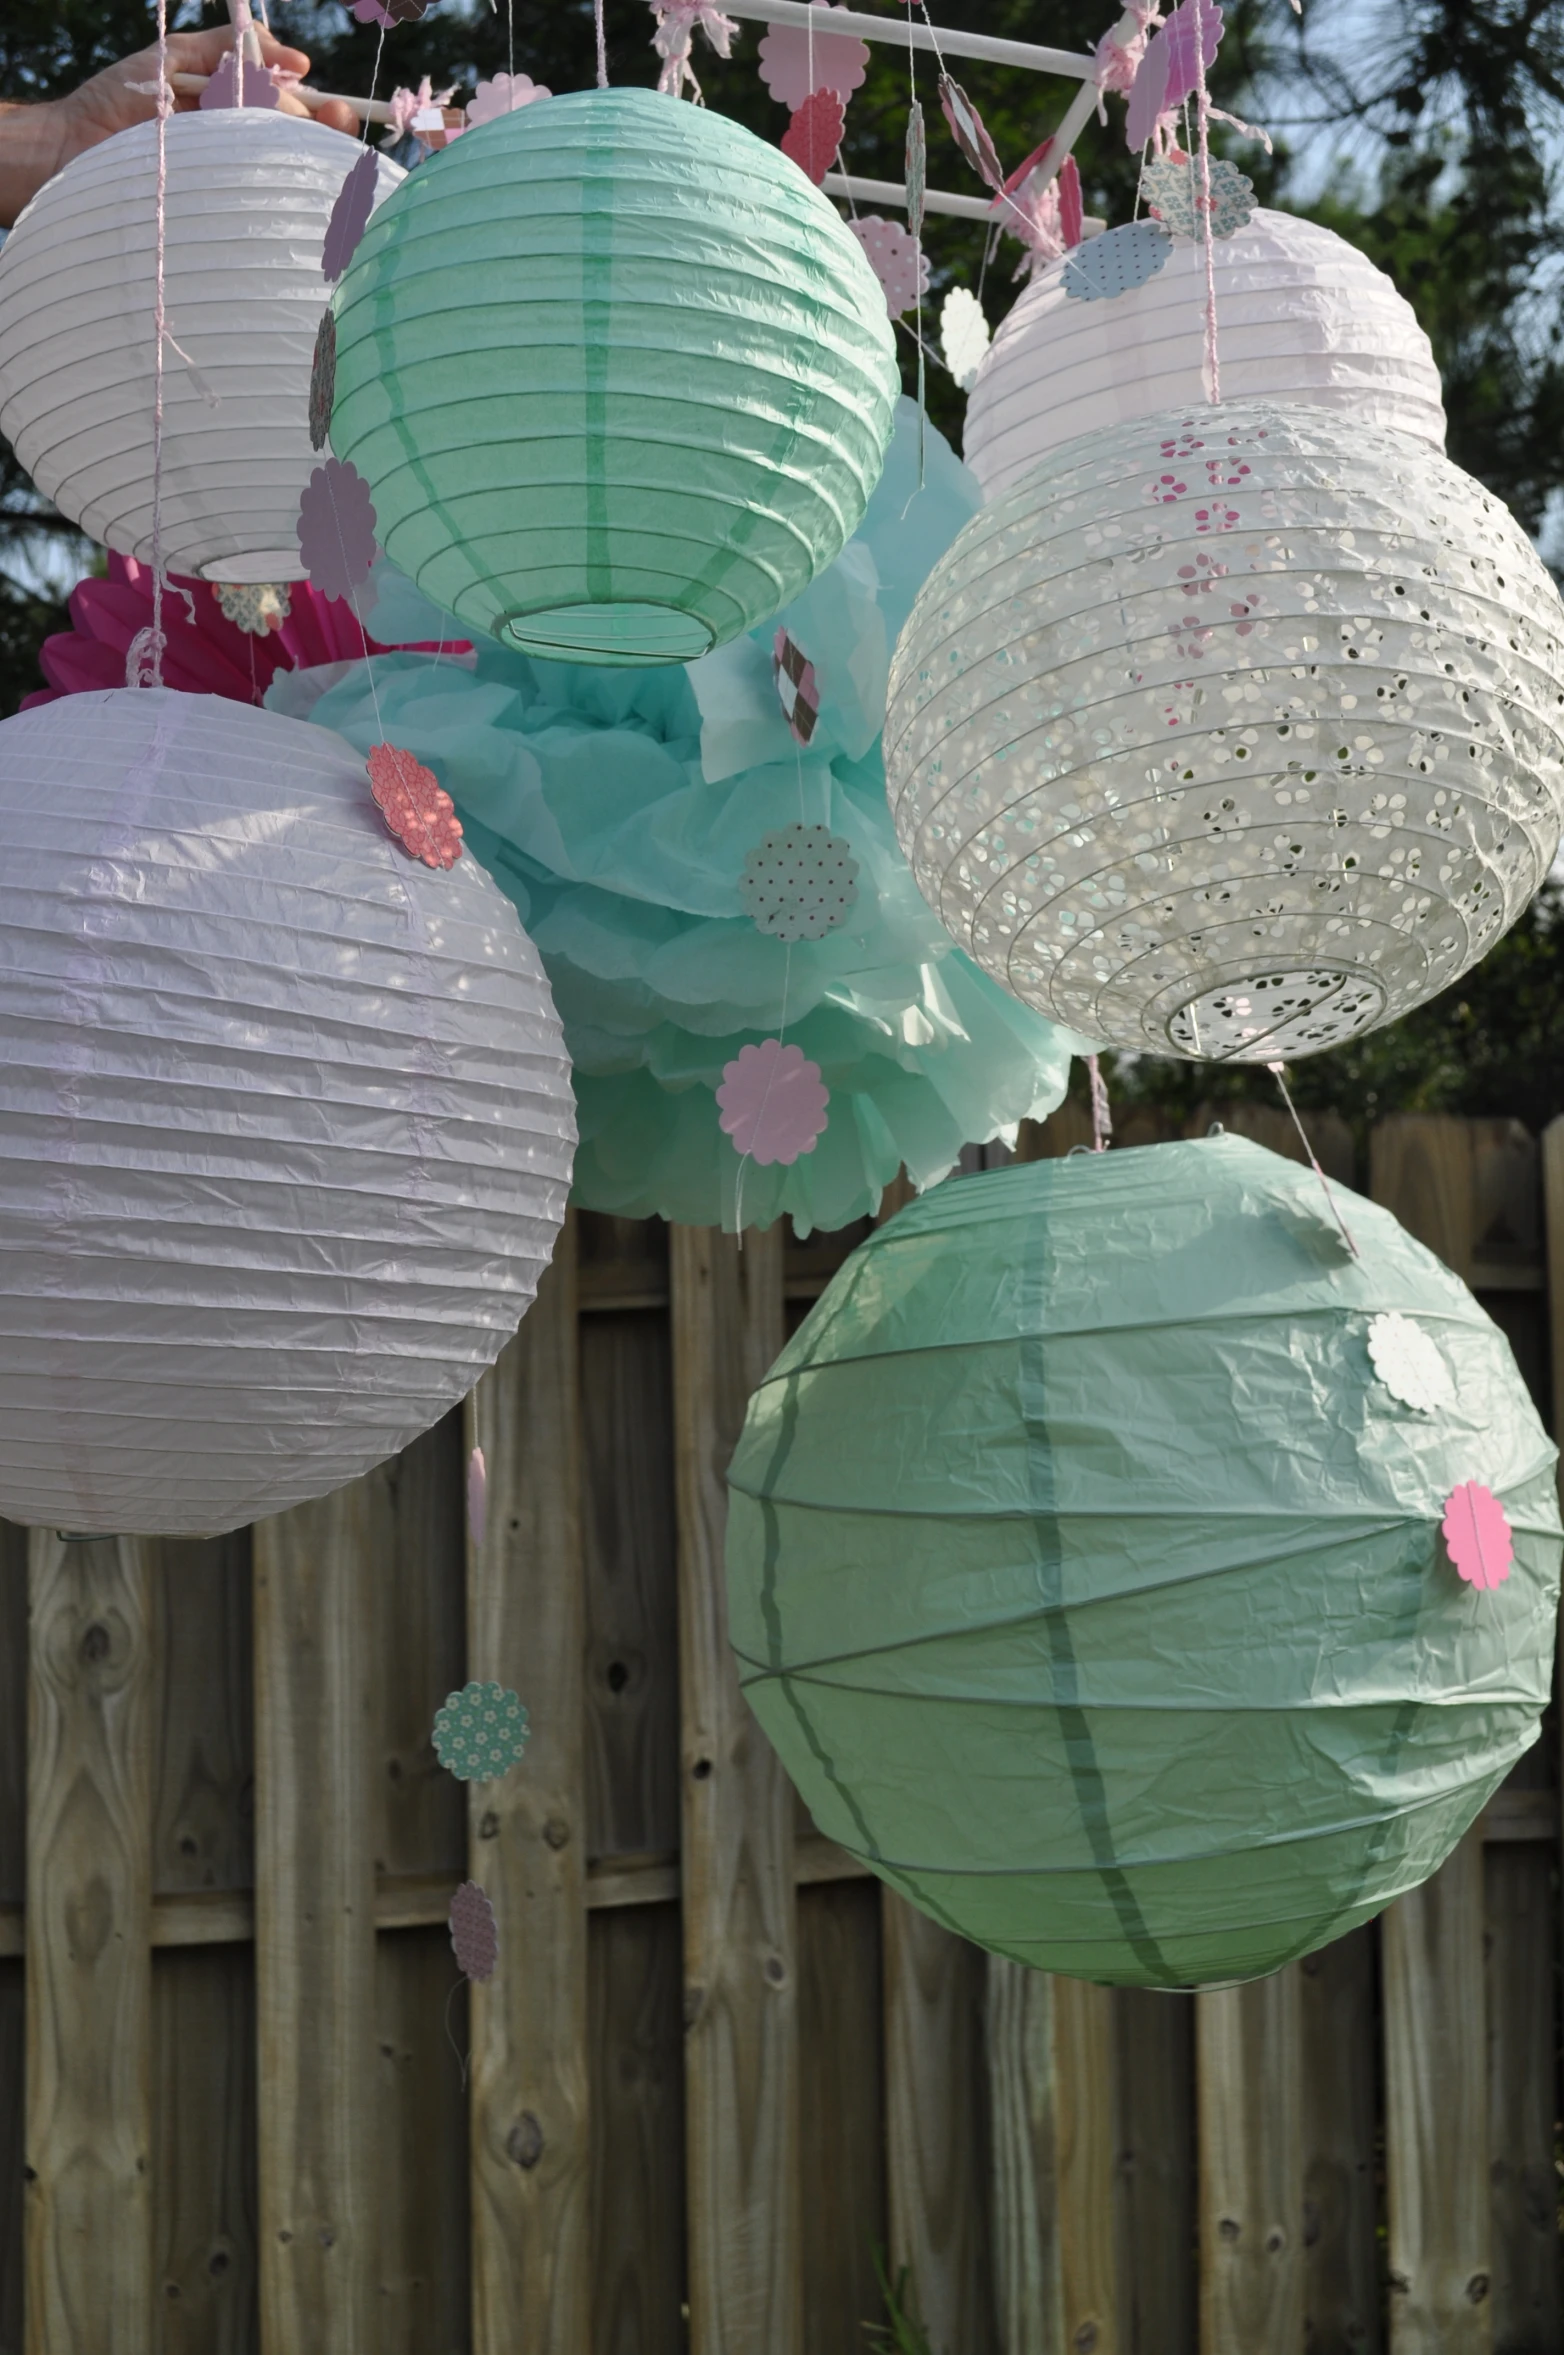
{"points": [[1410, 1363], [964, 334]]}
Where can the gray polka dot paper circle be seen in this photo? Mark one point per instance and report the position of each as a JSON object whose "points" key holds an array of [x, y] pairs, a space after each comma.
{"points": [[799, 883], [480, 1732]]}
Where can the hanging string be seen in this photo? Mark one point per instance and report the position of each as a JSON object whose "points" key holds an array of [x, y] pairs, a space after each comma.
{"points": [[1213, 367], [144, 656], [1278, 1072], [602, 46], [1102, 1113]]}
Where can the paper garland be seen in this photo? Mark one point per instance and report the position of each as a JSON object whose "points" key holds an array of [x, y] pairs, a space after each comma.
{"points": [[1172, 190], [480, 1732], [814, 137], [1117, 262], [323, 381], [349, 217], [417, 810], [796, 61], [477, 1497], [475, 1935], [1409, 1363], [799, 883], [336, 528], [1476, 1532], [964, 335], [773, 1103], [896, 258]]}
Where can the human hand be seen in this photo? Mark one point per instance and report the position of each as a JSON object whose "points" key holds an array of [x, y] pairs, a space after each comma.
{"points": [[126, 93]]}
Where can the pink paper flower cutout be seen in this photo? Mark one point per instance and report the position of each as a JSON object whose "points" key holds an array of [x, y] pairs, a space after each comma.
{"points": [[795, 61], [897, 260], [1169, 72], [773, 1102], [349, 218], [814, 137], [477, 1496], [966, 128], [1477, 1534], [259, 88], [337, 528], [387, 14], [503, 95], [475, 1934], [414, 805]]}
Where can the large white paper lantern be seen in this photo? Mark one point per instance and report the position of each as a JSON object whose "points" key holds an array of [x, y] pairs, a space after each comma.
{"points": [[1303, 316], [285, 1118], [249, 195], [1232, 733]]}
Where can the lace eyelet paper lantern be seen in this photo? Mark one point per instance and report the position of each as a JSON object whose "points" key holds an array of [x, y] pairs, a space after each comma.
{"points": [[619, 379], [1232, 733], [250, 194], [285, 1118], [1090, 1583], [1303, 316]]}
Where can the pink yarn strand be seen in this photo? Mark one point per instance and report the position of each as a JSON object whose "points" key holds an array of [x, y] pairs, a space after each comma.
{"points": [[1203, 150], [602, 46], [144, 661]]}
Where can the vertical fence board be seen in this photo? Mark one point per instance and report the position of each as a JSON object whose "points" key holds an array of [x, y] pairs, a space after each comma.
{"points": [[1521, 1974], [12, 2007], [1342, 2286], [203, 1789], [740, 1932], [89, 1947], [1023, 2195], [638, 2215], [1436, 2113], [1420, 1166], [936, 2125], [203, 2144], [315, 1925], [1159, 2281], [421, 2194], [531, 2187], [1086, 2091], [417, 1638], [1248, 2057], [842, 2112], [13, 1724]]}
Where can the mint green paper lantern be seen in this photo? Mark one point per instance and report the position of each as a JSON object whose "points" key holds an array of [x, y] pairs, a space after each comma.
{"points": [[619, 379], [1088, 1576]]}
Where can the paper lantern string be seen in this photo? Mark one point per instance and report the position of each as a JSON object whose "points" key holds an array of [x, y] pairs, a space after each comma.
{"points": [[796, 61], [798, 690], [480, 1732], [1477, 1535], [813, 139], [144, 655], [1278, 1072], [475, 1934], [415, 807], [349, 218], [896, 258], [1409, 1362], [964, 335], [1117, 262], [677, 22], [257, 607], [773, 1103], [799, 883], [336, 528], [602, 44], [477, 1497], [1169, 186]]}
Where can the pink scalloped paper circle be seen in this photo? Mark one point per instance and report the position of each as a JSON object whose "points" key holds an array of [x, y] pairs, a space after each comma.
{"points": [[259, 87], [501, 95], [336, 528], [415, 806], [349, 218], [896, 258], [814, 137], [795, 61], [475, 1934], [1477, 1536], [773, 1102]]}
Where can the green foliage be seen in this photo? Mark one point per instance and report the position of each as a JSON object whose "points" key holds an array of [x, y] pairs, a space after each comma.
{"points": [[902, 2333]]}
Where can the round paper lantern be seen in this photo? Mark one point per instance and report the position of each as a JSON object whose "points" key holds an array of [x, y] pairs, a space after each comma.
{"points": [[1087, 1575], [618, 377], [250, 193], [1231, 733], [1303, 316], [285, 1118]]}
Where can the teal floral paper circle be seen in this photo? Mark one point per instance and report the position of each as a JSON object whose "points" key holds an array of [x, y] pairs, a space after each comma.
{"points": [[480, 1732]]}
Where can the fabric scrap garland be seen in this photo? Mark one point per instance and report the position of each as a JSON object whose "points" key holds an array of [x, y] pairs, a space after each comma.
{"points": [[480, 1732]]}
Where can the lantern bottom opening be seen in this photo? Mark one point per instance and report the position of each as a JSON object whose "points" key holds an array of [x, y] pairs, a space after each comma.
{"points": [[256, 568], [1275, 1016], [608, 633]]}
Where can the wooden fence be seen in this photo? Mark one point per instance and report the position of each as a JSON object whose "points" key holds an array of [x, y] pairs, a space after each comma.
{"points": [[717, 2069]]}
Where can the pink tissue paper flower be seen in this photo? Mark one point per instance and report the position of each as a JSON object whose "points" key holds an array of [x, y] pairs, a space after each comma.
{"points": [[475, 1934], [503, 95], [349, 218], [337, 528], [415, 806], [773, 1102], [797, 60], [1476, 1532], [814, 137]]}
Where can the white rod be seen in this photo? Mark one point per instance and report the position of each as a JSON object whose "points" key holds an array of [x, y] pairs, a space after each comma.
{"points": [[906, 35], [368, 110], [1076, 117], [966, 208]]}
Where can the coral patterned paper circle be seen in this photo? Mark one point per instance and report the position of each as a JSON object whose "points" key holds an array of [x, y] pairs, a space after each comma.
{"points": [[415, 806], [773, 1104]]}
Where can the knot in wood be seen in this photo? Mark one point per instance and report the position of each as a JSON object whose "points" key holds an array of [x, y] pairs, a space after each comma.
{"points": [[488, 1825], [1229, 2228], [776, 1969], [1275, 2241], [1477, 2288], [556, 1831], [1085, 2338], [524, 2143], [96, 1644]]}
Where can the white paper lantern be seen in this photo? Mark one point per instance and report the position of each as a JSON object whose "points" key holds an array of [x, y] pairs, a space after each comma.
{"points": [[1303, 316], [285, 1118], [249, 195], [1232, 733]]}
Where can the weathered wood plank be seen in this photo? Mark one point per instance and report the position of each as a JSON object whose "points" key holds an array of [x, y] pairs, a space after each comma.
{"points": [[12, 2007], [1271, 1125], [89, 1948], [531, 2186], [13, 1714], [740, 1934], [1522, 1967], [1420, 1166], [1436, 2114], [638, 2202], [1248, 2064], [417, 1650], [422, 2287], [1090, 2220], [204, 1769], [936, 2125], [842, 2108], [1552, 1156], [1023, 2146], [1159, 2273], [203, 2041], [315, 1925], [1342, 2287]]}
